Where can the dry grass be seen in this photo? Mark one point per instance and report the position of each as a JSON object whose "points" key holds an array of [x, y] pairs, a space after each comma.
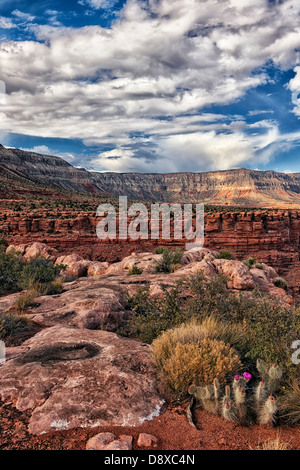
{"points": [[273, 444], [289, 403], [196, 354], [25, 300]]}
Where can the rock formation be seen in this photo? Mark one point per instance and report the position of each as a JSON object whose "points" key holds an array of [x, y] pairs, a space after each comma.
{"points": [[241, 187], [81, 378]]}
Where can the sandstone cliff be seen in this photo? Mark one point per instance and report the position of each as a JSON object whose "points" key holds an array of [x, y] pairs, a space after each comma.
{"points": [[241, 187]]}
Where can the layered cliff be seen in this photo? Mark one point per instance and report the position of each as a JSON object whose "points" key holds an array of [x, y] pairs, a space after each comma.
{"points": [[241, 187], [272, 237], [48, 170]]}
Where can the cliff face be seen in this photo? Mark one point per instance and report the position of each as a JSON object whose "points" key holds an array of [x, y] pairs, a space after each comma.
{"points": [[48, 170], [243, 188], [272, 237]]}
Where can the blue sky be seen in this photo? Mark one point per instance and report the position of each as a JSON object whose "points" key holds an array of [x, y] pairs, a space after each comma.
{"points": [[153, 85]]}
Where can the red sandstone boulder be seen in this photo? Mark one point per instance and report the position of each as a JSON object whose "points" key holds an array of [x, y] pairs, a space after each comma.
{"points": [[97, 269], [40, 249], [147, 440], [17, 249], [81, 378], [238, 275], [144, 261], [76, 266], [108, 441], [83, 305]]}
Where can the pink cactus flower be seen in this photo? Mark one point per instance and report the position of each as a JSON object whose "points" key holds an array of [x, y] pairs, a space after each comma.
{"points": [[237, 377], [247, 375]]}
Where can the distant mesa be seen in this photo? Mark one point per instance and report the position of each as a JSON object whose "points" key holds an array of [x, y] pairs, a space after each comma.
{"points": [[24, 171]]}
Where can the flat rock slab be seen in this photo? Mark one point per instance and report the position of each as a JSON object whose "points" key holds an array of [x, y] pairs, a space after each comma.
{"points": [[83, 305], [71, 377]]}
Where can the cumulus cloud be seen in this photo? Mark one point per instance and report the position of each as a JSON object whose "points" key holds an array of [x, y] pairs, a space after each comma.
{"points": [[44, 150], [147, 78], [6, 23]]}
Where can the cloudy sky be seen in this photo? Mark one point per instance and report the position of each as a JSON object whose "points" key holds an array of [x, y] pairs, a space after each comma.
{"points": [[153, 85]]}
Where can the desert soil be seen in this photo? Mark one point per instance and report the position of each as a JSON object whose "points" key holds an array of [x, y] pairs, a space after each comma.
{"points": [[171, 428]]}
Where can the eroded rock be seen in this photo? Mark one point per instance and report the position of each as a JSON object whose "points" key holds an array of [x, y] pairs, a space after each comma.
{"points": [[80, 378]]}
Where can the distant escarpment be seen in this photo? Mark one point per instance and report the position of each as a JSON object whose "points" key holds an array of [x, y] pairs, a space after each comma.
{"points": [[231, 188]]}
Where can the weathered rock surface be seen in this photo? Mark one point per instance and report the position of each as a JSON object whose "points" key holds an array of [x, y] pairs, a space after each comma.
{"points": [[80, 378], [147, 440], [238, 275], [84, 304], [109, 441], [34, 250]]}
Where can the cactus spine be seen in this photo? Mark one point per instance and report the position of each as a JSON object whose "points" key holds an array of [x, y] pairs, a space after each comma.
{"points": [[267, 412]]}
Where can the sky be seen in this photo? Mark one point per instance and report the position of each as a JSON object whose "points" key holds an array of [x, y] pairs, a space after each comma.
{"points": [[153, 86]]}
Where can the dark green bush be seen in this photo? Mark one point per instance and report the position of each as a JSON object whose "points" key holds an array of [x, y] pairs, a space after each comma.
{"points": [[12, 324], [226, 254], [250, 262], [11, 267], [38, 272], [134, 270], [280, 282], [170, 260], [16, 274]]}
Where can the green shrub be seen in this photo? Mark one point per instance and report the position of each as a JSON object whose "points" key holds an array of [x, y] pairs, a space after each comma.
{"points": [[267, 327], [170, 261], [11, 266], [280, 282], [12, 324], [16, 274], [134, 270], [38, 272], [225, 254], [250, 262], [160, 250]]}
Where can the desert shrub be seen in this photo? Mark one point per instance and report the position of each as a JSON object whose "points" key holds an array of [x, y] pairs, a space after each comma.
{"points": [[289, 403], [12, 324], [151, 316], [250, 262], [160, 250], [26, 299], [271, 329], [280, 282], [11, 266], [267, 328], [134, 270], [225, 254], [38, 272], [184, 358], [170, 261], [55, 287], [16, 274]]}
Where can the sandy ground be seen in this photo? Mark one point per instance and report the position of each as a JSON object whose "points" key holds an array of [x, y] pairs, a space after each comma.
{"points": [[171, 428]]}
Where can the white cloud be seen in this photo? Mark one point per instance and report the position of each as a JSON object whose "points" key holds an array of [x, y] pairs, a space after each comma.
{"points": [[23, 16], [44, 150], [167, 59], [6, 23]]}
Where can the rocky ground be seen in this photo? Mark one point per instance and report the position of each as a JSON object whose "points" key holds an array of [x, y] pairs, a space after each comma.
{"points": [[75, 377]]}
